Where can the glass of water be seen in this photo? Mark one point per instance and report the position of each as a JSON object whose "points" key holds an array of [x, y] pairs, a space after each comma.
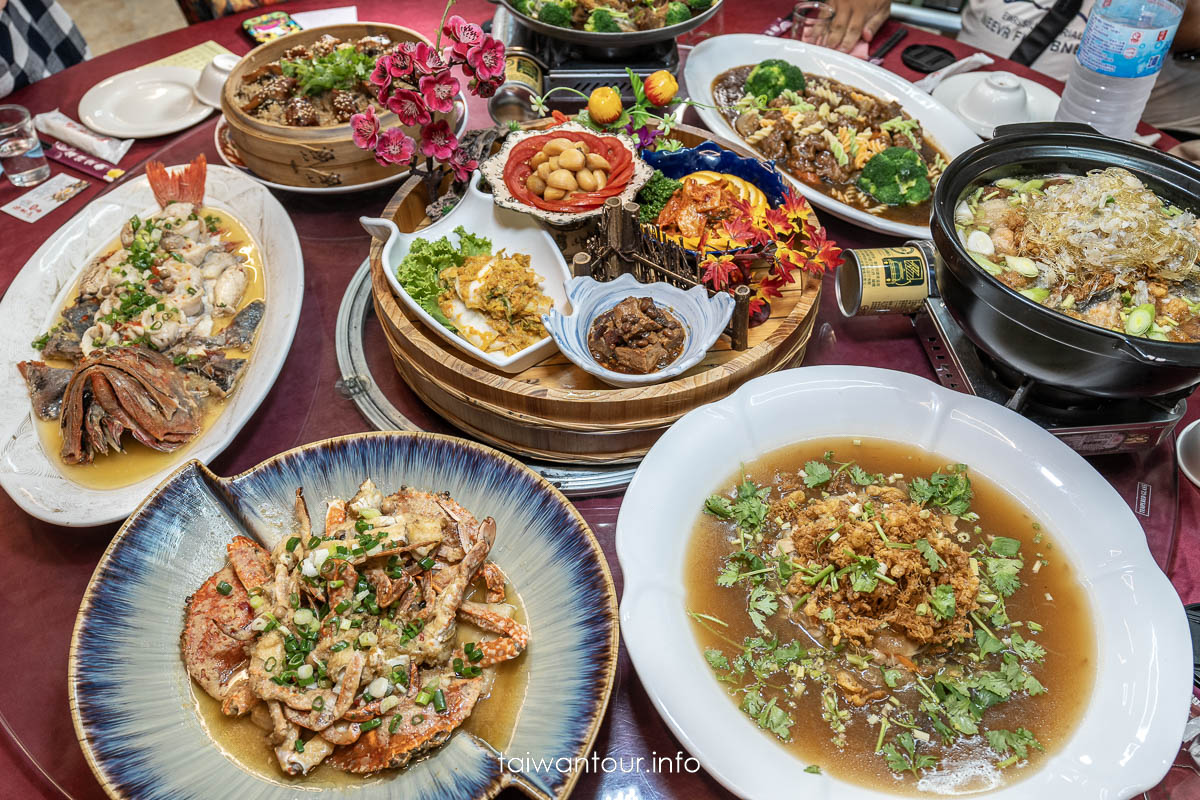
{"points": [[21, 155], [810, 21]]}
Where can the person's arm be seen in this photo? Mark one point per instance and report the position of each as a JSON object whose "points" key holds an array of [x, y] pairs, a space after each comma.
{"points": [[1188, 35], [860, 19]]}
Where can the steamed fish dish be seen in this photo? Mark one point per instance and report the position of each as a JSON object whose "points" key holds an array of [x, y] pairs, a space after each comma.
{"points": [[147, 343], [890, 618], [1101, 248], [494, 301], [342, 645]]}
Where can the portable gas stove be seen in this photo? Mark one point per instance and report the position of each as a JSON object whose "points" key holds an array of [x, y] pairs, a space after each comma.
{"points": [[581, 67], [1090, 426]]}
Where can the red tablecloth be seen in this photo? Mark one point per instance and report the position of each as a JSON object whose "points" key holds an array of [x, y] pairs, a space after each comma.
{"points": [[36, 615]]}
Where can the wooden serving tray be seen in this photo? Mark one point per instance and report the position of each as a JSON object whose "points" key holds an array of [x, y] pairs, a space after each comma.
{"points": [[555, 411]]}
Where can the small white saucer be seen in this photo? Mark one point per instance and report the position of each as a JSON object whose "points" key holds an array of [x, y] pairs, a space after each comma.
{"points": [[143, 102], [1040, 103]]}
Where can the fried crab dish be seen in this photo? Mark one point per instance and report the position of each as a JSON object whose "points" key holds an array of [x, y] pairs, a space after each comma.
{"points": [[342, 645]]}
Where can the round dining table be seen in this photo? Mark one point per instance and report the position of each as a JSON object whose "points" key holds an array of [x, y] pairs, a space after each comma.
{"points": [[46, 568]]}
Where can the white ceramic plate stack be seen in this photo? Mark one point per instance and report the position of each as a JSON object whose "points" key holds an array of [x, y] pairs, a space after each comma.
{"points": [[720, 53], [1131, 727], [144, 102], [32, 303]]}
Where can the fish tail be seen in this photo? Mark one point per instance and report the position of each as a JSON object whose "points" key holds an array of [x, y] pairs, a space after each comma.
{"points": [[182, 186]]}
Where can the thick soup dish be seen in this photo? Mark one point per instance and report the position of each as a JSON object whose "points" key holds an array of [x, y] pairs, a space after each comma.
{"points": [[1101, 248], [895, 621]]}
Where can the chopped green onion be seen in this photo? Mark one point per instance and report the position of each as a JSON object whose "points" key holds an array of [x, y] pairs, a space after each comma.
{"points": [[224, 588], [291, 543], [439, 701], [394, 725], [318, 703]]}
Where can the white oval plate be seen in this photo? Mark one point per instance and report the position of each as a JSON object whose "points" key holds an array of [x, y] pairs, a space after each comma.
{"points": [[720, 53], [27, 472], [144, 102], [507, 230], [1131, 728]]}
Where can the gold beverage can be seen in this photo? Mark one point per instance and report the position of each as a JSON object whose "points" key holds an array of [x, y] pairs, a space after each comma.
{"points": [[885, 280], [524, 78]]}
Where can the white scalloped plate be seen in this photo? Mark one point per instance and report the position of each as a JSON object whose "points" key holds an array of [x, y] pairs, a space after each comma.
{"points": [[1132, 726], [27, 472], [493, 170]]}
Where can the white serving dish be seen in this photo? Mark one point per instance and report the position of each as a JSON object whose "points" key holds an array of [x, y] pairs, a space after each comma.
{"points": [[144, 102], [1130, 729], [32, 303], [507, 230], [703, 319], [720, 53]]}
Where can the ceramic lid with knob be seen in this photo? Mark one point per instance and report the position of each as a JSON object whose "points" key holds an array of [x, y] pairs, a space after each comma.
{"points": [[986, 100]]}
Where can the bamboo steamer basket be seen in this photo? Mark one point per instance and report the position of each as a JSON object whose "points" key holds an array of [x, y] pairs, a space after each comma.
{"points": [[317, 156], [555, 411]]}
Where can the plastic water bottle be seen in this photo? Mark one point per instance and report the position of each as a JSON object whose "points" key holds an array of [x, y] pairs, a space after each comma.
{"points": [[1119, 58]]}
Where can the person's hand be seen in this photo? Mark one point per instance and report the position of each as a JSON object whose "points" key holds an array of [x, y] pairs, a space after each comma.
{"points": [[855, 20]]}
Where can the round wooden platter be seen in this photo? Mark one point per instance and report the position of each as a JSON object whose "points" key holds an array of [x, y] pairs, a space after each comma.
{"points": [[555, 411], [310, 156]]}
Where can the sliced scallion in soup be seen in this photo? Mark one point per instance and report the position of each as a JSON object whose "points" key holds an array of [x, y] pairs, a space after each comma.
{"points": [[894, 620]]}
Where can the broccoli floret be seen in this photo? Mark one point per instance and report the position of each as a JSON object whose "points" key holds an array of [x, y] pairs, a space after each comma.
{"points": [[655, 194], [677, 13], [556, 13], [699, 5], [523, 7], [897, 176], [771, 77], [604, 20]]}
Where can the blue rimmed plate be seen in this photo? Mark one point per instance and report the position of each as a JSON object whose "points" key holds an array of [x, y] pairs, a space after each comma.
{"points": [[131, 698]]}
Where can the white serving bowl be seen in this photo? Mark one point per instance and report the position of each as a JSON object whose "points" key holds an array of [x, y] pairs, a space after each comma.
{"points": [[703, 319], [1131, 727], [720, 53], [507, 230]]}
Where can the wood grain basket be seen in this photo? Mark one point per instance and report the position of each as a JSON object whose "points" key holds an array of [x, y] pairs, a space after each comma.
{"points": [[318, 156], [555, 411]]}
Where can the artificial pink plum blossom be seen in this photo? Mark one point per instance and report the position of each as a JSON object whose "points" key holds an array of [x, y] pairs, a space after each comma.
{"points": [[439, 90], [364, 128], [465, 35], [487, 58], [409, 106], [381, 76], [401, 63], [428, 59], [438, 140], [462, 164], [394, 147]]}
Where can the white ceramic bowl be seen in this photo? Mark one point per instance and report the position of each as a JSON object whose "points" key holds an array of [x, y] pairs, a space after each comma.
{"points": [[720, 53], [32, 302], [212, 78], [987, 100], [703, 319], [1131, 729], [508, 230]]}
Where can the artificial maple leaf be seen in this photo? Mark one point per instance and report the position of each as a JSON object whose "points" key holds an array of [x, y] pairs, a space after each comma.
{"points": [[787, 260], [795, 206], [777, 222], [827, 255], [740, 231], [718, 271], [768, 285], [756, 304]]}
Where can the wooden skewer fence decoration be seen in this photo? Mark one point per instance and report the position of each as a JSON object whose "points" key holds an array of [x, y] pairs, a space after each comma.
{"points": [[623, 245]]}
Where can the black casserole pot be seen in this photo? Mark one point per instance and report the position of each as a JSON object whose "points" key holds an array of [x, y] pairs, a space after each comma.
{"points": [[1045, 345]]}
